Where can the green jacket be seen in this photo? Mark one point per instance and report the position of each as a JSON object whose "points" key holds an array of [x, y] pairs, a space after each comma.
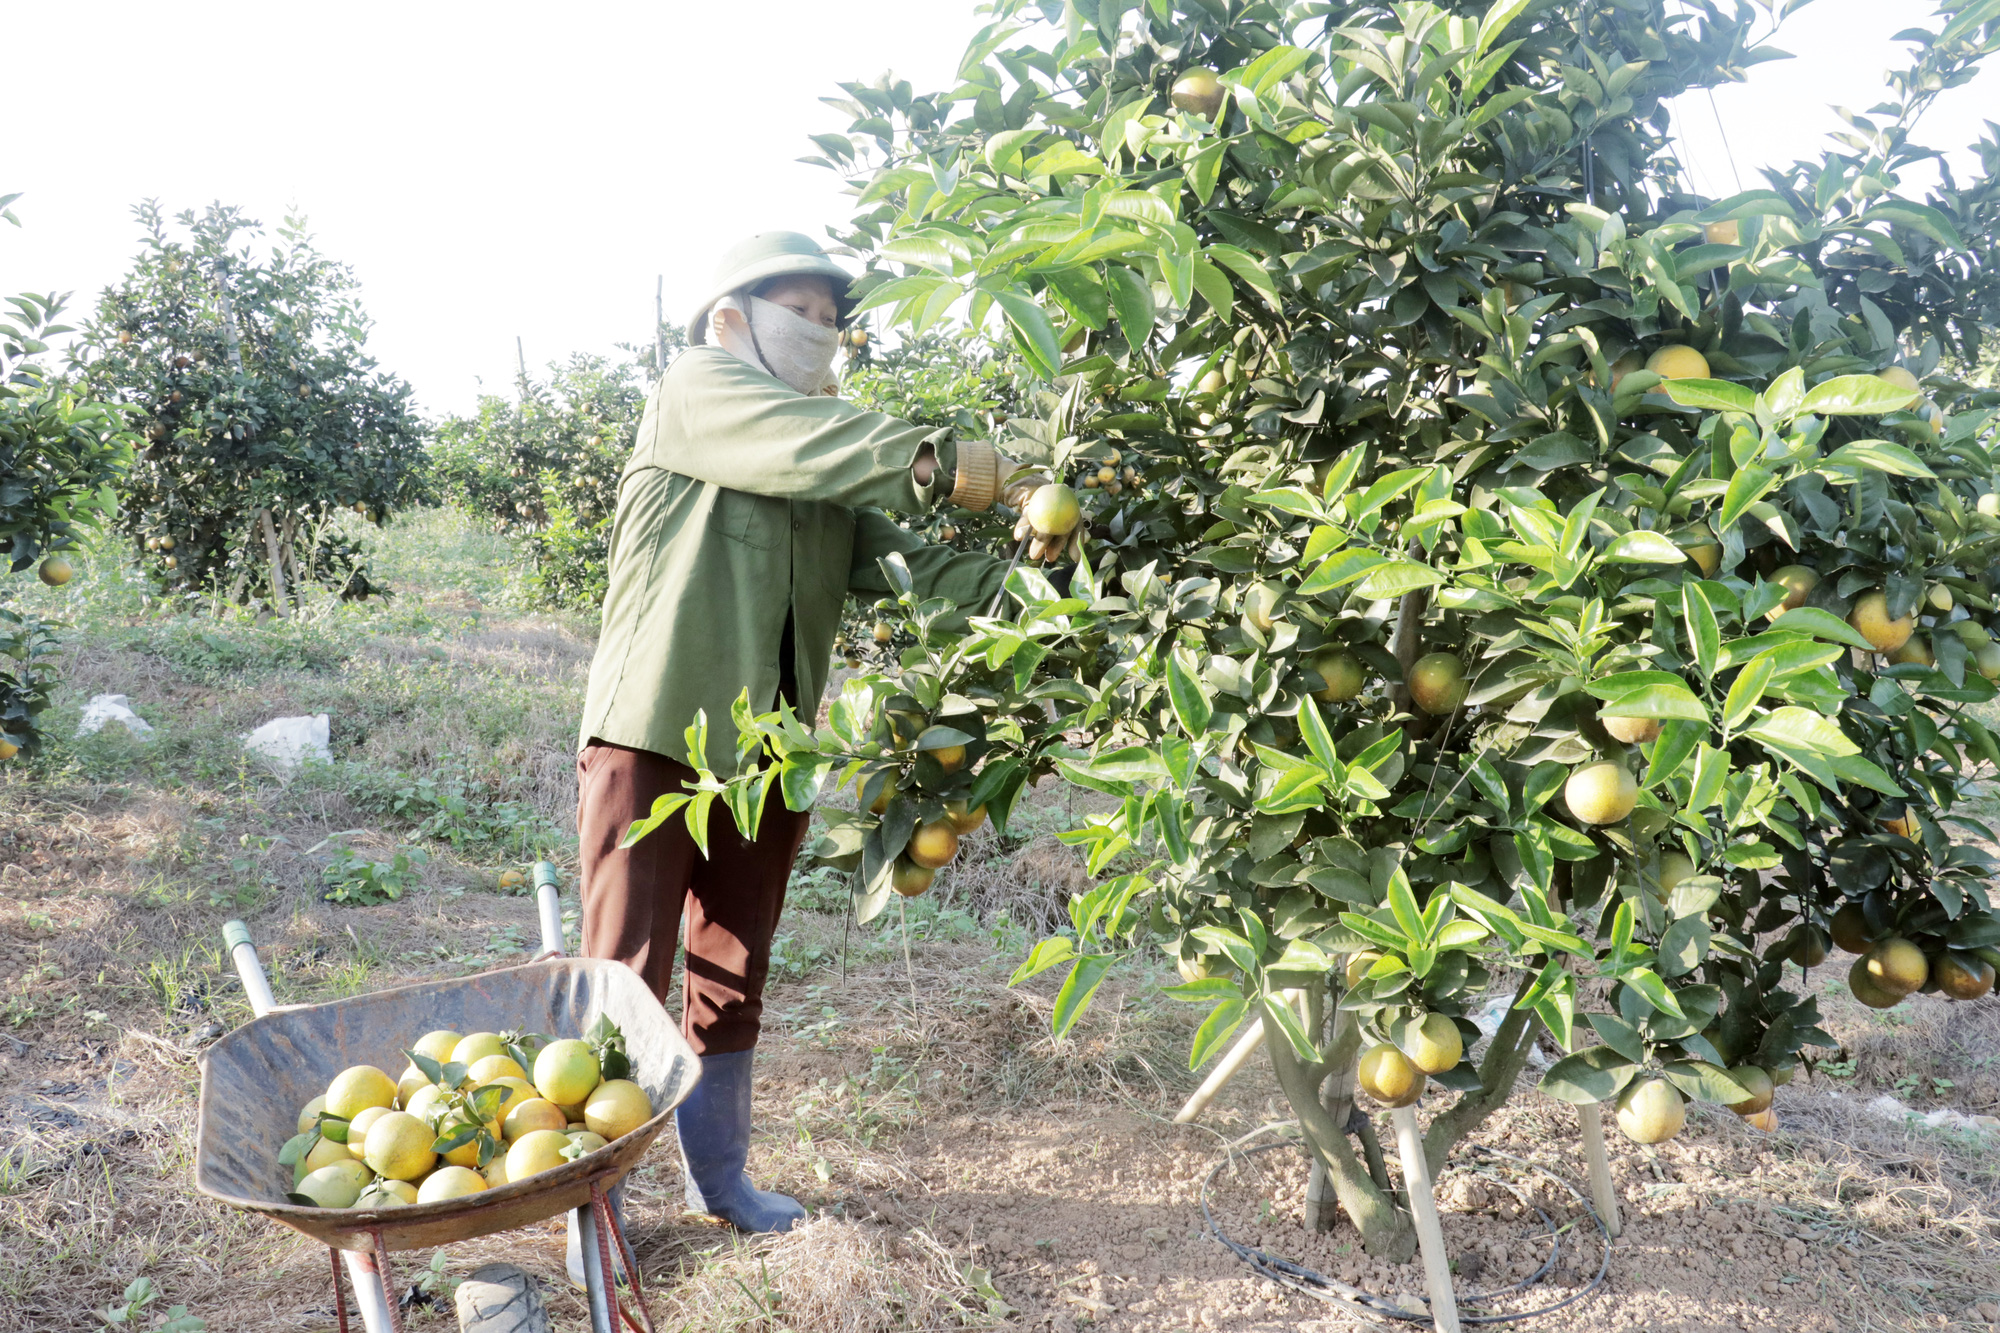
{"points": [[744, 500]]}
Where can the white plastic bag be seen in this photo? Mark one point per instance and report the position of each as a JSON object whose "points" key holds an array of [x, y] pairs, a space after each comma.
{"points": [[107, 708], [287, 742]]}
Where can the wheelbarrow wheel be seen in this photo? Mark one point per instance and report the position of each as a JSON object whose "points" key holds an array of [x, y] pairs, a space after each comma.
{"points": [[500, 1298]]}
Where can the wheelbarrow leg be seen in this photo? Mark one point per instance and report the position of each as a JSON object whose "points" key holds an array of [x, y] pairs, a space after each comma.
{"points": [[582, 1222], [603, 1300], [370, 1295]]}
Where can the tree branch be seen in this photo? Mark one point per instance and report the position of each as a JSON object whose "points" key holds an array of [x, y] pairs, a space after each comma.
{"points": [[1505, 1055], [1386, 1231]]}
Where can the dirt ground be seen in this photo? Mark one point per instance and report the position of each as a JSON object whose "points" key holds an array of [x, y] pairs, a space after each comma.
{"points": [[963, 1169]]}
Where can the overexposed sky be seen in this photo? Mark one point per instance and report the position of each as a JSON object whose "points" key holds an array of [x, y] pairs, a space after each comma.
{"points": [[505, 169]]}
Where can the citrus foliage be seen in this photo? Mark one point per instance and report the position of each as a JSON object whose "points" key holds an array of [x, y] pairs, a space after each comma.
{"points": [[61, 456], [261, 410], [547, 465], [1423, 354]]}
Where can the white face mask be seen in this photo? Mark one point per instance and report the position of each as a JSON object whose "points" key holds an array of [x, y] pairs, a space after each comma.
{"points": [[795, 349]]}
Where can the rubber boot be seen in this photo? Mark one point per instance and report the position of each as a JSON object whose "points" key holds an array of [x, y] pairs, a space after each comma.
{"points": [[574, 1254], [714, 1129]]}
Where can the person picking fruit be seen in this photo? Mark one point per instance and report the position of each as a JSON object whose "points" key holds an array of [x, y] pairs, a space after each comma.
{"points": [[750, 509]]}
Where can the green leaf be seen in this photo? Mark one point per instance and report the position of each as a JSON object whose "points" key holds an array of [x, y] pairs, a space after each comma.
{"points": [[1033, 333], [1857, 395], [1077, 990], [1920, 217], [1745, 488], [1132, 300], [1045, 955], [1190, 701], [1877, 456], [1795, 728], [1217, 1028], [1703, 633], [1822, 625], [1340, 568], [1594, 1074], [1660, 701], [1747, 689], [1399, 577], [1644, 547], [1712, 395], [1705, 1082], [1498, 16], [1683, 946]]}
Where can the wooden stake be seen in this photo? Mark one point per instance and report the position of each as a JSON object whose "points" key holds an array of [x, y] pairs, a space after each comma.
{"points": [[1423, 1210], [1591, 1117], [521, 359], [1225, 1069], [283, 603]]}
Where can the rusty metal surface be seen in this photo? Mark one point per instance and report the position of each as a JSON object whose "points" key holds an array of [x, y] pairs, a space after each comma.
{"points": [[255, 1079]]}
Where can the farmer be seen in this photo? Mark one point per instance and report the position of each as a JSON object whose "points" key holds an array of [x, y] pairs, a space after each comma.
{"points": [[750, 509]]}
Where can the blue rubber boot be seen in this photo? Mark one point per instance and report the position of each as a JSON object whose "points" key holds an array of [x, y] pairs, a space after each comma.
{"points": [[714, 1129]]}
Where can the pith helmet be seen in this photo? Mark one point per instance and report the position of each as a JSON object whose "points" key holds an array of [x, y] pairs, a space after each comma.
{"points": [[769, 254]]}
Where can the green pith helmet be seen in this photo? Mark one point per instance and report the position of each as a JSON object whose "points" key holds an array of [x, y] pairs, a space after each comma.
{"points": [[769, 254]]}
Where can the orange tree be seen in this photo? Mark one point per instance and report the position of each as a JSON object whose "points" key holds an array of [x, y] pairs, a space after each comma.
{"points": [[263, 414], [61, 456], [546, 464], [1526, 567]]}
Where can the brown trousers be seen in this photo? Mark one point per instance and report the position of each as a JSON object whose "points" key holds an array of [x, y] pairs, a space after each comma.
{"points": [[633, 900]]}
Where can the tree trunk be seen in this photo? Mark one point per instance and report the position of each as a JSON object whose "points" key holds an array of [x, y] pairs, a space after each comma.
{"points": [[1505, 1055], [1386, 1231]]}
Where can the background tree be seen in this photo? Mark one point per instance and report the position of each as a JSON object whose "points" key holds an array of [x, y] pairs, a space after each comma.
{"points": [[546, 464], [60, 458], [262, 412], [1532, 567]]}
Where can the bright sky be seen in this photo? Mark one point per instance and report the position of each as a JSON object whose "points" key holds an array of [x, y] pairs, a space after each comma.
{"points": [[509, 169]]}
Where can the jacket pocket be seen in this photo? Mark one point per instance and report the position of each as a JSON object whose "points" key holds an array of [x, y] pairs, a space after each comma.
{"points": [[755, 520]]}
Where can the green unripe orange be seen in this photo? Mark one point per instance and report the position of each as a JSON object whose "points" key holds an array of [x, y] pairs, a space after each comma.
{"points": [[1437, 683], [1053, 511], [1678, 363], [933, 844], [910, 879], [1650, 1111], [1798, 581], [1198, 91], [1389, 1076], [1757, 1082], [1897, 967], [1870, 617], [1632, 730], [1850, 929], [1340, 673], [1963, 977], [1601, 793], [1437, 1045], [1865, 990]]}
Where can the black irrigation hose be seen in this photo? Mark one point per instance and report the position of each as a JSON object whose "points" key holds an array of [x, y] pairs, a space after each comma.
{"points": [[1297, 1277]]}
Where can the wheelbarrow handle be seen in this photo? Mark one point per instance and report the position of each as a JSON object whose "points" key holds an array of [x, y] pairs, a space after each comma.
{"points": [[256, 986], [548, 903]]}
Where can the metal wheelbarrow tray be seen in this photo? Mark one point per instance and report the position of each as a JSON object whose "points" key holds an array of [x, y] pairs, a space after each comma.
{"points": [[255, 1079]]}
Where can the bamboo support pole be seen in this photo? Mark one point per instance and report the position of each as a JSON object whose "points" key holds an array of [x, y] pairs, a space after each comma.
{"points": [[1591, 1117], [1423, 1211]]}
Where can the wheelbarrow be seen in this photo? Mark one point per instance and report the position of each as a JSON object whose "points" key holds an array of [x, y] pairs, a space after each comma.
{"points": [[254, 1080]]}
